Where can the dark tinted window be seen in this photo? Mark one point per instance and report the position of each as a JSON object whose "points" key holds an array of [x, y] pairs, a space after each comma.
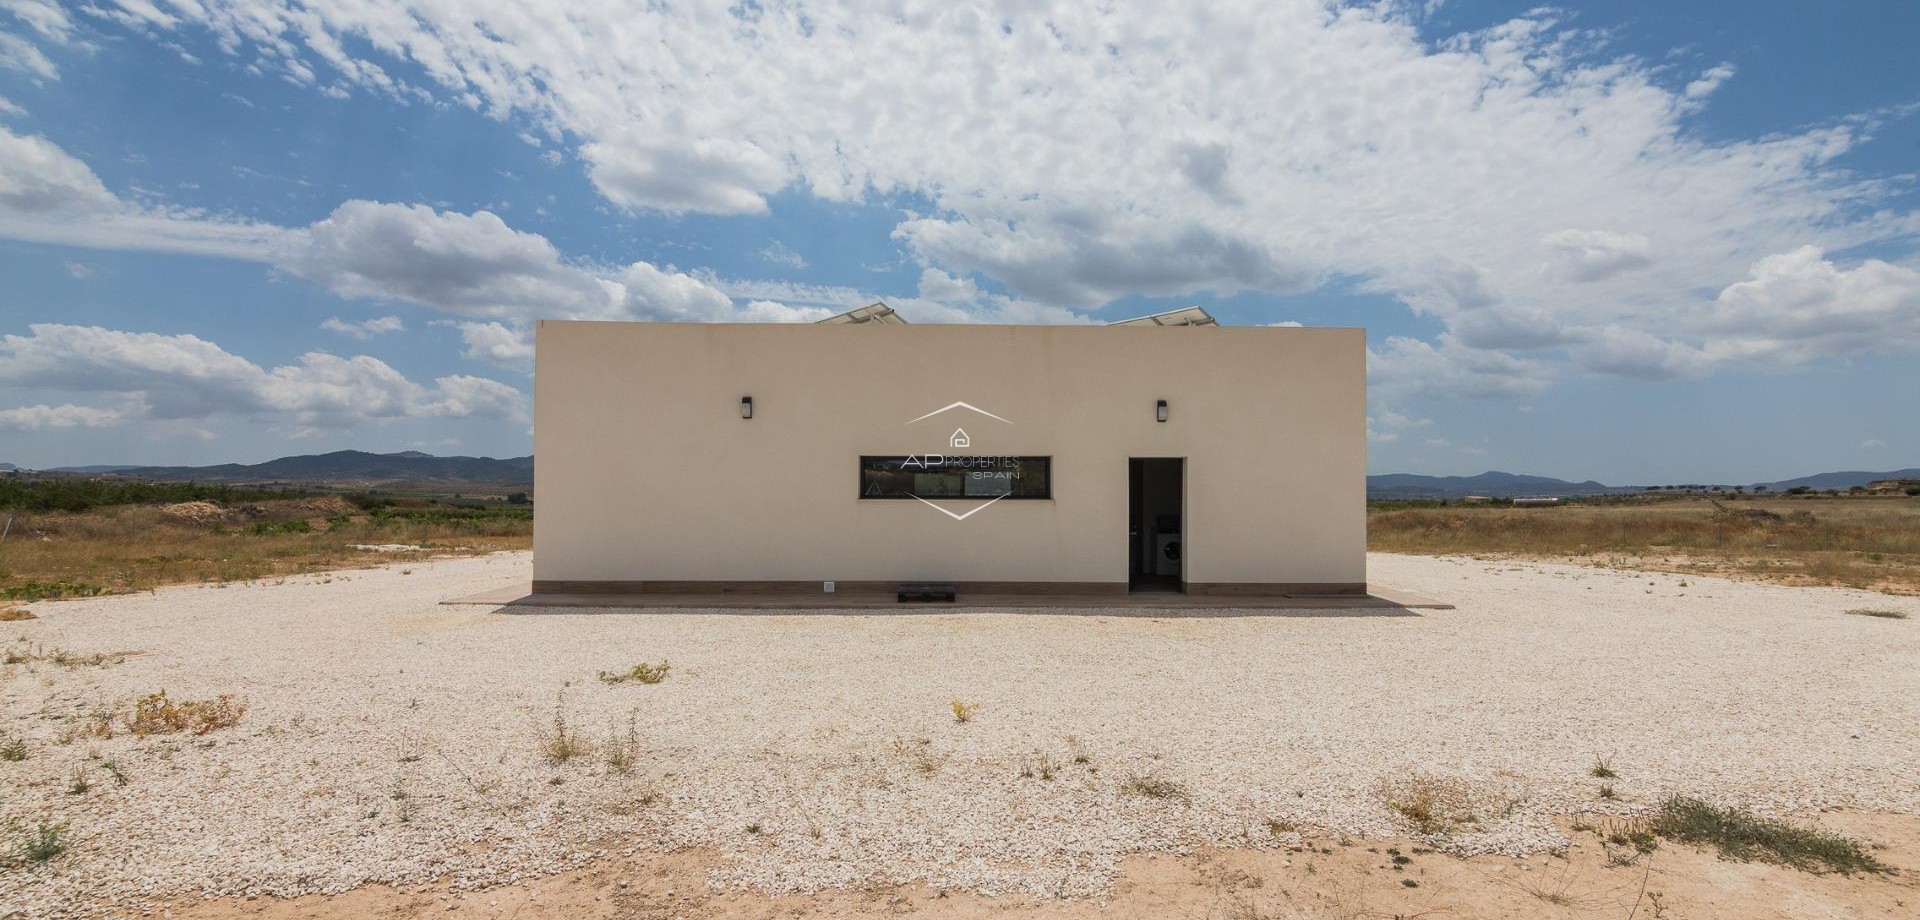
{"points": [[937, 476]]}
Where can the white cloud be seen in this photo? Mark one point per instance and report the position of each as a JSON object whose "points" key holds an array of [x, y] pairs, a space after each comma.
{"points": [[34, 418], [1405, 368], [364, 329], [470, 264], [497, 344], [475, 266], [777, 253], [1590, 255], [1523, 184], [186, 377], [940, 287], [37, 177], [1873, 444], [1709, 81], [19, 54], [48, 196], [1385, 425], [47, 19], [78, 271], [1798, 306]]}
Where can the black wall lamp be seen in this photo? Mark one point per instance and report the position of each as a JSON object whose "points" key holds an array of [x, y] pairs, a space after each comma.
{"points": [[746, 407], [1160, 411]]}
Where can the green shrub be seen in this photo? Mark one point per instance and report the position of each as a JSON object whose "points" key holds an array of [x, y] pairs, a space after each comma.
{"points": [[1741, 835]]}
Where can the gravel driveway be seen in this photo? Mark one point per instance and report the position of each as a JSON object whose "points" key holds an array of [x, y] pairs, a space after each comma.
{"points": [[393, 739]]}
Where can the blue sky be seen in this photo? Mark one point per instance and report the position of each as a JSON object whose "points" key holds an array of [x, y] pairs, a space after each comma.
{"points": [[1618, 242]]}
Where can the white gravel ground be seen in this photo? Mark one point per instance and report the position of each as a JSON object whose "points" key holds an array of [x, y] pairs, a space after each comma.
{"points": [[391, 739]]}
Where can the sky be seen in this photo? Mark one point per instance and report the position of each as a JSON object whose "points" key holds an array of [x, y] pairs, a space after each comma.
{"points": [[1637, 242]]}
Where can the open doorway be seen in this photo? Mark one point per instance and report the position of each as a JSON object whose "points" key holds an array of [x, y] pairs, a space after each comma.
{"points": [[1155, 519]]}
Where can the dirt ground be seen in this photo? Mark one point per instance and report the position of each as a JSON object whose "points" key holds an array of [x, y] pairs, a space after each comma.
{"points": [[1331, 878]]}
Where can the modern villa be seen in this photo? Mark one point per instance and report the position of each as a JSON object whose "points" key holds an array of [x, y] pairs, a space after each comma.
{"points": [[863, 454]]}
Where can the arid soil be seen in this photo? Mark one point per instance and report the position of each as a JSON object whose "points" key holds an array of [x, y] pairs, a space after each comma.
{"points": [[396, 755], [1356, 879]]}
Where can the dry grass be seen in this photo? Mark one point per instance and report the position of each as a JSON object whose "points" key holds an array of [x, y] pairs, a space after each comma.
{"points": [[155, 714], [126, 548], [1439, 805], [1871, 543], [558, 741], [15, 614], [1880, 614], [1155, 787], [641, 673], [963, 712]]}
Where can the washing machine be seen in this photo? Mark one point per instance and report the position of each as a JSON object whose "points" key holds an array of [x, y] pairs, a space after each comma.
{"points": [[1166, 554]]}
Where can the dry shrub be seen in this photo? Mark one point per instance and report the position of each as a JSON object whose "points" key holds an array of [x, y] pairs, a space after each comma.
{"points": [[642, 672], [963, 712], [1445, 805], [15, 614], [1155, 787], [155, 714]]}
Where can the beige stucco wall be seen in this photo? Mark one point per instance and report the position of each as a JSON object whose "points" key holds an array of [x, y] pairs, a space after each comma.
{"points": [[646, 471]]}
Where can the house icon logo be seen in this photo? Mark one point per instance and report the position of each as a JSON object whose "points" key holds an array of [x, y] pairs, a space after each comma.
{"points": [[960, 438]]}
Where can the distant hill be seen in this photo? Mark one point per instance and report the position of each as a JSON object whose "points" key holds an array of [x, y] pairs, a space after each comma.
{"points": [[350, 466], [7, 467], [1491, 483], [95, 468], [1846, 479]]}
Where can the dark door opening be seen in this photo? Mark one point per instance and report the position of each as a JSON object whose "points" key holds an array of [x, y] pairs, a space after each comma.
{"points": [[1156, 553]]}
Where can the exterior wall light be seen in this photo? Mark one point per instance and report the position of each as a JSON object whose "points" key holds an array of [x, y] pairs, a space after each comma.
{"points": [[746, 407], [1160, 411]]}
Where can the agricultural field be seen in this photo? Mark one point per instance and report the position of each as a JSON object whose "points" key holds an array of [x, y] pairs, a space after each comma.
{"points": [[1871, 543]]}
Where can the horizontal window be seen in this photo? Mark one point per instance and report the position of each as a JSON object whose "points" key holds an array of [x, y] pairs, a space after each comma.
{"points": [[949, 476]]}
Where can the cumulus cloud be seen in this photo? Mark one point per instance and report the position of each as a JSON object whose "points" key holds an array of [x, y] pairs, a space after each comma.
{"points": [[34, 418], [175, 377], [940, 287], [476, 266], [498, 344], [1798, 306], [1522, 184], [472, 264], [364, 329], [48, 196]]}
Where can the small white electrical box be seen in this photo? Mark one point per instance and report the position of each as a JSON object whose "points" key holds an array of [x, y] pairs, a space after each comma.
{"points": [[827, 587]]}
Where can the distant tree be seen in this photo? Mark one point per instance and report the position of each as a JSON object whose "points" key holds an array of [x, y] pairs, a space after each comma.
{"points": [[517, 498], [1855, 490], [1757, 490], [1799, 490], [1913, 490]]}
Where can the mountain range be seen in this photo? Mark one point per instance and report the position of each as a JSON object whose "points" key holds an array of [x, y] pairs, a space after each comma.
{"points": [[357, 466], [1492, 483]]}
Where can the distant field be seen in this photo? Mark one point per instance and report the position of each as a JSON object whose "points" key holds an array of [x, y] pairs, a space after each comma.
{"points": [[1856, 542], [116, 539]]}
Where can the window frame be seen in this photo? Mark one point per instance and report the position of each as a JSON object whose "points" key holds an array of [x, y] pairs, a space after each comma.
{"points": [[860, 480]]}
